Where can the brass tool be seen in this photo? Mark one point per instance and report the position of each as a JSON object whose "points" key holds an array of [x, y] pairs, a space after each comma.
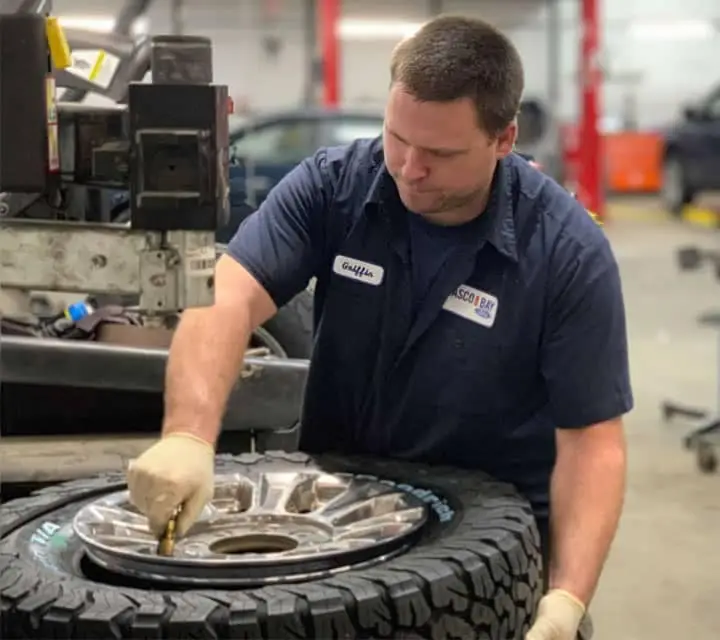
{"points": [[166, 544]]}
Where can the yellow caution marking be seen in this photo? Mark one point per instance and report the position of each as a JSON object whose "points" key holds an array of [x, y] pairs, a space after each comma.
{"points": [[57, 44], [97, 67], [697, 216], [701, 217]]}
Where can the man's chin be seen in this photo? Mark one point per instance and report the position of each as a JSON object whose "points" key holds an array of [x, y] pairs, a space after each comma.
{"points": [[422, 205]]}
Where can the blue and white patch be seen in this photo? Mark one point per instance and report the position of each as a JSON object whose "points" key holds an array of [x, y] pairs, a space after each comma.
{"points": [[472, 304], [358, 270]]}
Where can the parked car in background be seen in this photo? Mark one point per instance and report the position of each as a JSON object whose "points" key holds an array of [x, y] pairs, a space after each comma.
{"points": [[263, 149], [691, 154]]}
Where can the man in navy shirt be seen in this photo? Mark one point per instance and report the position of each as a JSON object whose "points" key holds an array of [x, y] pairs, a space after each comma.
{"points": [[468, 312]]}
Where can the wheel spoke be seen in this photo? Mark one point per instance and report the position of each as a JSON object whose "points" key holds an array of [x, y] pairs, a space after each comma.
{"points": [[266, 525]]}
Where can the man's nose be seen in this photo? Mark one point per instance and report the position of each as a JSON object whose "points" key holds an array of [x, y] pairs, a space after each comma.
{"points": [[413, 167]]}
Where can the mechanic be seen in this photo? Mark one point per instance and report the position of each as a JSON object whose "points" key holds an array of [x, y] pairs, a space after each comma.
{"points": [[468, 312]]}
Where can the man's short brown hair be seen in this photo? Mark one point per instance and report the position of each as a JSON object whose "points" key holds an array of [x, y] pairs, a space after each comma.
{"points": [[454, 57]]}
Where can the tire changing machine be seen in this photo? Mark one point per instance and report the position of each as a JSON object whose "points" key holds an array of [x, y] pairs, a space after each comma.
{"points": [[168, 147]]}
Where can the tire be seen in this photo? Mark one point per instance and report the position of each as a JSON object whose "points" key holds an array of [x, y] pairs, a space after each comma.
{"points": [[675, 191], [474, 574], [292, 326]]}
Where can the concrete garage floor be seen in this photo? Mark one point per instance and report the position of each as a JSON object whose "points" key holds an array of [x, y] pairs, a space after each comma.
{"points": [[662, 581]]}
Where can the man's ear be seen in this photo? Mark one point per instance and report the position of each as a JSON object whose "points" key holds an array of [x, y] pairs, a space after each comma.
{"points": [[506, 140]]}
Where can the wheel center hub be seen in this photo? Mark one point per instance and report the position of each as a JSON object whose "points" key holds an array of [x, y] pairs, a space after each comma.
{"points": [[263, 543], [255, 537]]}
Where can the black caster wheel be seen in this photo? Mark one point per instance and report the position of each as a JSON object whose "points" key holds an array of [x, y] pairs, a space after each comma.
{"points": [[689, 258], [707, 460]]}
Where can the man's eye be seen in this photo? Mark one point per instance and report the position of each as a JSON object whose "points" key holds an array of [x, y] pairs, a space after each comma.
{"points": [[399, 139]]}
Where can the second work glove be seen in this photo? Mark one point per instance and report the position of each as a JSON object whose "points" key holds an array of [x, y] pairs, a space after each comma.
{"points": [[558, 617], [178, 470]]}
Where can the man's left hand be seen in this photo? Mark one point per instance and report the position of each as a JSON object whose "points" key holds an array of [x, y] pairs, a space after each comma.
{"points": [[558, 617]]}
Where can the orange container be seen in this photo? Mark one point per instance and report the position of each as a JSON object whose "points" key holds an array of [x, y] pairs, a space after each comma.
{"points": [[633, 162]]}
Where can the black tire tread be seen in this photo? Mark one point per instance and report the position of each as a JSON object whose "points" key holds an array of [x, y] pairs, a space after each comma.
{"points": [[482, 581]]}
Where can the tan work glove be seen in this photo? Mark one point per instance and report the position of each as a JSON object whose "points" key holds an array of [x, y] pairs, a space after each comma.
{"points": [[558, 617], [178, 470]]}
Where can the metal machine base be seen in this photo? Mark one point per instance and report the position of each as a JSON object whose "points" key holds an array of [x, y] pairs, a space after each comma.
{"points": [[702, 439], [705, 437], [268, 398], [264, 408]]}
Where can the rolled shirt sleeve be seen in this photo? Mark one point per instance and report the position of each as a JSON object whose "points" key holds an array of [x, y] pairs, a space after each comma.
{"points": [[281, 243], [585, 346]]}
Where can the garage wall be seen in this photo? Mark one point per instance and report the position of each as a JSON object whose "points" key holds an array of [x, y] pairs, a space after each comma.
{"points": [[650, 70], [365, 64], [661, 54]]}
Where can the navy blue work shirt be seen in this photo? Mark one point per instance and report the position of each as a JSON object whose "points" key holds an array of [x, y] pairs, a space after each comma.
{"points": [[520, 331]]}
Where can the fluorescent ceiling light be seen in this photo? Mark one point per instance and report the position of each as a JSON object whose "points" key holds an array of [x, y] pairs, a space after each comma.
{"points": [[86, 23], [100, 24], [680, 30], [350, 29]]}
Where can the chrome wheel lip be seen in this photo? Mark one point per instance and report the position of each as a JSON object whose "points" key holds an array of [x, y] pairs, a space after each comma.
{"points": [[354, 521]]}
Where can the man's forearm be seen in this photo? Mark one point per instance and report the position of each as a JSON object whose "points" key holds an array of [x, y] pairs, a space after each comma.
{"points": [[588, 487], [203, 365]]}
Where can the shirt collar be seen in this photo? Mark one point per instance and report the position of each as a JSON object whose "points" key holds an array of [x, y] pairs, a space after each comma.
{"points": [[497, 223]]}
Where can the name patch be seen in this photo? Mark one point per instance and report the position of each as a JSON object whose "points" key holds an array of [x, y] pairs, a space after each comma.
{"points": [[358, 270], [472, 304]]}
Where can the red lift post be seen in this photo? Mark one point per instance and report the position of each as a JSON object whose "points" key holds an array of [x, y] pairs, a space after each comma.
{"points": [[590, 152], [328, 19]]}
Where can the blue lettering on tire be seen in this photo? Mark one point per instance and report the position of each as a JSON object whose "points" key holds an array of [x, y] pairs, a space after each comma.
{"points": [[439, 506]]}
